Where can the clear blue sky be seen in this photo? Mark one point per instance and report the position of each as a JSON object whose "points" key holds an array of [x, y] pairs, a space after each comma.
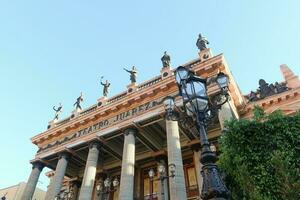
{"points": [[52, 50]]}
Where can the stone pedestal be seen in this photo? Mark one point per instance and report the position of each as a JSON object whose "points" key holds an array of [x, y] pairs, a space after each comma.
{"points": [[205, 54], [57, 180], [52, 123], [177, 184], [89, 176], [132, 88], [32, 181], [166, 72], [76, 112], [102, 101], [127, 170]]}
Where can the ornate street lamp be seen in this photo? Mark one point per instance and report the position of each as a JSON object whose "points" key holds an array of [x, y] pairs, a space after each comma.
{"points": [[162, 176], [197, 104], [107, 187]]}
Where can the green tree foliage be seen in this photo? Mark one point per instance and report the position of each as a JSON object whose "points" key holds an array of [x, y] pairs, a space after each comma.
{"points": [[261, 157]]}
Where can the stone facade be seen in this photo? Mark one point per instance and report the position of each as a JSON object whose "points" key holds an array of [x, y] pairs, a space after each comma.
{"points": [[107, 150]]}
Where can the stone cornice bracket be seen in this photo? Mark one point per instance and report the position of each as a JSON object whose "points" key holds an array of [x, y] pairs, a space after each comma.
{"points": [[131, 130]]}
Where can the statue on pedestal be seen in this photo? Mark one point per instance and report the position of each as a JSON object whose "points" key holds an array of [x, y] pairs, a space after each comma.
{"points": [[166, 60], [106, 86], [58, 111], [133, 74], [265, 89], [78, 102], [201, 43]]}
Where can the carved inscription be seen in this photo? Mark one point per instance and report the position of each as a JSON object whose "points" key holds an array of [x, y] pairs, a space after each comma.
{"points": [[105, 123]]}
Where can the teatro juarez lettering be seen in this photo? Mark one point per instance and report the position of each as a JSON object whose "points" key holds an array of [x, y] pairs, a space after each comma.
{"points": [[105, 123]]}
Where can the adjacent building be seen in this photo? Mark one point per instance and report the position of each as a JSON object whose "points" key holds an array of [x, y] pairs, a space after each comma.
{"points": [[15, 192]]}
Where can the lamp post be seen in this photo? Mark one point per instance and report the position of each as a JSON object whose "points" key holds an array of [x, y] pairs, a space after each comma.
{"points": [[107, 187], [162, 176], [193, 90]]}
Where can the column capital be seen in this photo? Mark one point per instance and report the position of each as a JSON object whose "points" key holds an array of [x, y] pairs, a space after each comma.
{"points": [[64, 154], [96, 144], [131, 130], [38, 164]]}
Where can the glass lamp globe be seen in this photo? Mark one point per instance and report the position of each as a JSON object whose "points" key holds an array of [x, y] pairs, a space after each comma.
{"points": [[195, 96], [116, 182], [161, 168], [181, 74], [99, 186], [169, 103], [107, 182], [151, 173], [172, 169], [222, 80]]}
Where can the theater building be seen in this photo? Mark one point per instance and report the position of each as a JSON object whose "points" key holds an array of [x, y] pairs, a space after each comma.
{"points": [[124, 137]]}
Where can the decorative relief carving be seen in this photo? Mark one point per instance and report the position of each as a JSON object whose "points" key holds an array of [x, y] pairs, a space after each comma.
{"points": [[265, 90]]}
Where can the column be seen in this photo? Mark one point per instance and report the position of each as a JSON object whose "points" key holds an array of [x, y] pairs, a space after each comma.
{"points": [[128, 160], [57, 180], [89, 176], [177, 184], [198, 165], [28, 192], [225, 114]]}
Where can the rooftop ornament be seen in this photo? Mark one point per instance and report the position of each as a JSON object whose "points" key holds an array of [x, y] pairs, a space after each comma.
{"points": [[106, 86], [133, 74], [202, 43], [265, 90], [166, 60], [58, 111], [78, 102]]}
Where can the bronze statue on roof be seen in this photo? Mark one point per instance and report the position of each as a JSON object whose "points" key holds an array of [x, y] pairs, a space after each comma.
{"points": [[202, 43], [166, 60], [133, 74]]}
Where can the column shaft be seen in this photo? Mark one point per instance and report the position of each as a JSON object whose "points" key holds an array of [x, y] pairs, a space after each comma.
{"points": [[225, 114], [128, 161], [56, 182], [32, 181], [177, 184], [89, 176]]}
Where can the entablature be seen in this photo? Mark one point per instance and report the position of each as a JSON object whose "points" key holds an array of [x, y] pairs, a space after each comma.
{"points": [[148, 95]]}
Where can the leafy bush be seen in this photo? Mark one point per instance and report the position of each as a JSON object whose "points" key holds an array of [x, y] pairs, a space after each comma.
{"points": [[261, 157]]}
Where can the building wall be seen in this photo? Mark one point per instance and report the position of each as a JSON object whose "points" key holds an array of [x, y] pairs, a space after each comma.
{"points": [[15, 192]]}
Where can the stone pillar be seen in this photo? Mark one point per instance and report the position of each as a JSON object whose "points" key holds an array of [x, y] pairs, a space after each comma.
{"points": [[177, 184], [198, 165], [87, 186], [128, 160], [28, 192], [225, 114], [57, 180]]}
